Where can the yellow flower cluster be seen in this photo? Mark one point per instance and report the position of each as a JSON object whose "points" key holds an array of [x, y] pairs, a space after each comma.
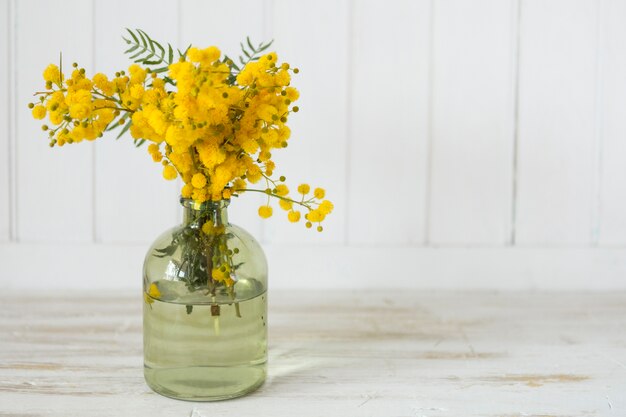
{"points": [[74, 112], [208, 121]]}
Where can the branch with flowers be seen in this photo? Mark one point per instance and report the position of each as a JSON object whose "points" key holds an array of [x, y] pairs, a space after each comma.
{"points": [[209, 120]]}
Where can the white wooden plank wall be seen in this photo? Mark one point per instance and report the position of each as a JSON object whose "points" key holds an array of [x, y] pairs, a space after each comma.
{"points": [[388, 134], [611, 228], [472, 121], [556, 122], [446, 132], [5, 127]]}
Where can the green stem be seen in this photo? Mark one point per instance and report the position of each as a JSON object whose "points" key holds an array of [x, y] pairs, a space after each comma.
{"points": [[306, 204]]}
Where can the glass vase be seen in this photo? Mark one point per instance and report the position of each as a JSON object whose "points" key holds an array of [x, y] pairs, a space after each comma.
{"points": [[205, 308]]}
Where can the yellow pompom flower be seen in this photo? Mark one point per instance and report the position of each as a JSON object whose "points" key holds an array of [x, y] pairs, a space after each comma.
{"points": [[153, 292], [285, 204], [186, 191], [281, 190], [326, 207], [293, 216], [221, 274], [198, 180], [254, 174], [315, 216], [319, 193], [39, 112], [169, 172], [80, 111], [304, 188], [265, 211], [239, 185], [52, 74], [204, 56], [207, 228]]}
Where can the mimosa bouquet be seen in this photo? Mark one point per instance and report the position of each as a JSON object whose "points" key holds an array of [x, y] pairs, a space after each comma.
{"points": [[209, 120]]}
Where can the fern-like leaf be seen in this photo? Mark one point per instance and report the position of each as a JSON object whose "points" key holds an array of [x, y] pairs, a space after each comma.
{"points": [[145, 50], [250, 52]]}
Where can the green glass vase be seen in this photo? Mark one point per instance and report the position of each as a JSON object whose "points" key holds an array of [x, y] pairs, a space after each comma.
{"points": [[205, 308]]}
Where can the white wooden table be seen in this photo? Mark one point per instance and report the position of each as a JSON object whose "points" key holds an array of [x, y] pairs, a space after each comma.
{"points": [[400, 354]]}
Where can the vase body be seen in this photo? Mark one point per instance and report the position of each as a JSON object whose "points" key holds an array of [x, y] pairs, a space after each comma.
{"points": [[205, 308]]}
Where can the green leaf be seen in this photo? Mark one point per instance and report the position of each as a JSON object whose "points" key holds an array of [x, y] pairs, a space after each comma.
{"points": [[143, 40], [116, 125], [138, 54], [131, 49], [158, 45], [133, 35], [139, 142], [170, 54], [263, 48], [183, 54], [150, 41], [250, 44], [124, 129]]}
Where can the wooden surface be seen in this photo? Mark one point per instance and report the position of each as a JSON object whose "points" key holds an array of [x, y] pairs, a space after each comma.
{"points": [[342, 354]]}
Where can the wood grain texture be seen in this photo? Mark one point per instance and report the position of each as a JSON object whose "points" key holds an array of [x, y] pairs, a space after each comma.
{"points": [[55, 188], [472, 121], [388, 122], [5, 125], [317, 150], [557, 134], [612, 224], [345, 354], [133, 203]]}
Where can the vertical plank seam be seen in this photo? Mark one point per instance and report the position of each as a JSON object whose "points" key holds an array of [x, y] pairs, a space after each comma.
{"points": [[596, 209], [349, 74], [7, 129], [429, 128], [13, 82], [94, 226], [517, 18], [178, 212], [266, 30]]}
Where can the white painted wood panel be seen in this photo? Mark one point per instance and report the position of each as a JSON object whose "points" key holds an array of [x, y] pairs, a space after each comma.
{"points": [[133, 202], [317, 148], [557, 135], [5, 123], [474, 58], [388, 131], [225, 25], [54, 186], [337, 354], [101, 266], [612, 84]]}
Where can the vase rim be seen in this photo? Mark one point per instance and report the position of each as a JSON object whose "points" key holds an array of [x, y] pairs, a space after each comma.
{"points": [[207, 205]]}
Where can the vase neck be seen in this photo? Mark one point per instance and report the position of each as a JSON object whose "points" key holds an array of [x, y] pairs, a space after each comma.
{"points": [[215, 212]]}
